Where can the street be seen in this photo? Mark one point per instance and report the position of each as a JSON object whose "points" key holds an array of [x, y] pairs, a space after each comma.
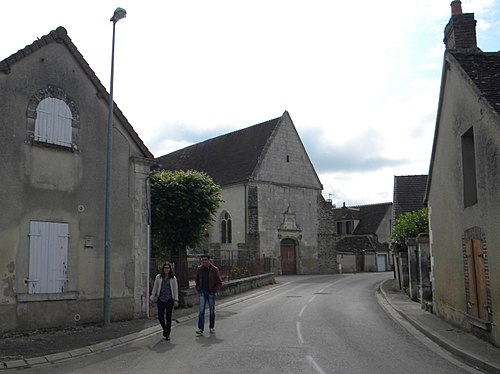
{"points": [[306, 324]]}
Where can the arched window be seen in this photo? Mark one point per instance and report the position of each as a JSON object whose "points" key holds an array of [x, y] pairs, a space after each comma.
{"points": [[225, 228], [53, 122]]}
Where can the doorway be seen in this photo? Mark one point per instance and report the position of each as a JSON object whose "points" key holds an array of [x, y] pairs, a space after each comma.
{"points": [[288, 258]]}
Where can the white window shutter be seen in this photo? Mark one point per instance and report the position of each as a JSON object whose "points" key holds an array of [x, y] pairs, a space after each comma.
{"points": [[53, 122]]}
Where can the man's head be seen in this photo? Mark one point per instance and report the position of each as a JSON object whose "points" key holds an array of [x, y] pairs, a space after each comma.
{"points": [[205, 260]]}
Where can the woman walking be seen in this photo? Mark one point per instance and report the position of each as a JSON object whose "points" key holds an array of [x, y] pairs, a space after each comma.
{"points": [[166, 291]]}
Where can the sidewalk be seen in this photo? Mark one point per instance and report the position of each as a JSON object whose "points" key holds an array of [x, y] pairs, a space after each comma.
{"points": [[466, 347]]}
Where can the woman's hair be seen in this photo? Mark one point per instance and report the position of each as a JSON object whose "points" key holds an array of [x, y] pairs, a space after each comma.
{"points": [[170, 274]]}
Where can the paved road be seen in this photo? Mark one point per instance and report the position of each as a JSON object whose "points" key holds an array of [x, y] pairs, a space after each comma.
{"points": [[308, 324]]}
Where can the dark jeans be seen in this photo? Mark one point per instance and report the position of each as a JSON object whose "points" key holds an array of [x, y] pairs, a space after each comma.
{"points": [[165, 310], [206, 297]]}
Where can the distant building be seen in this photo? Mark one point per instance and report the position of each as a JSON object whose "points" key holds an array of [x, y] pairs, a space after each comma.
{"points": [[409, 192], [363, 237], [273, 206]]}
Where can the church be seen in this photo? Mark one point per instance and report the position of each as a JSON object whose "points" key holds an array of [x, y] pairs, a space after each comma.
{"points": [[273, 207]]}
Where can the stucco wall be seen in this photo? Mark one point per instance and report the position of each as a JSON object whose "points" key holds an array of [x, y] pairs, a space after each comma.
{"points": [[55, 184], [461, 109], [234, 197]]}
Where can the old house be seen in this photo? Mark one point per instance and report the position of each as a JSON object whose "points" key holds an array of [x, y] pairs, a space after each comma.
{"points": [[409, 192], [53, 141], [463, 190], [273, 205], [363, 235]]}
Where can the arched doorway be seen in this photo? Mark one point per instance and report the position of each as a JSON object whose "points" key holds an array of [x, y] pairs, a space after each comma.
{"points": [[288, 259]]}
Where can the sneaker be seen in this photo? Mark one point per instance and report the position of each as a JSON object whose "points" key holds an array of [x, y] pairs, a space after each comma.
{"points": [[199, 332], [212, 330]]}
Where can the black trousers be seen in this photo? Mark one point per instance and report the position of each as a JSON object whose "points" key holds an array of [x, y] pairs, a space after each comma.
{"points": [[165, 314]]}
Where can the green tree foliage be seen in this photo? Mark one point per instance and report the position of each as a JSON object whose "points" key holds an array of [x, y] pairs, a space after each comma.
{"points": [[409, 225], [183, 204]]}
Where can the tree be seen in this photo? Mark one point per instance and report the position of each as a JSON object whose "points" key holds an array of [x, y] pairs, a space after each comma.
{"points": [[409, 225], [183, 204]]}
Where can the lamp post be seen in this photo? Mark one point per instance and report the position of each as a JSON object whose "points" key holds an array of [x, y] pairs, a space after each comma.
{"points": [[117, 15]]}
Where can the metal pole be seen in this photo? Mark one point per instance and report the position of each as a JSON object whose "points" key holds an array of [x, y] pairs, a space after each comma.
{"points": [[118, 15], [148, 198], [109, 154]]}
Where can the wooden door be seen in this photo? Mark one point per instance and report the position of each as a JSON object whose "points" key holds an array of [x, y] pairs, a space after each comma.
{"points": [[288, 263]]}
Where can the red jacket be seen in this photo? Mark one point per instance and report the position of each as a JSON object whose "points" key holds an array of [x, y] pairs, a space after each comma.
{"points": [[214, 278]]}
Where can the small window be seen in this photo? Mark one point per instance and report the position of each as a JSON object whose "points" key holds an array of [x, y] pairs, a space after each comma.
{"points": [[339, 228], [469, 168], [226, 228], [348, 227], [53, 122], [48, 257]]}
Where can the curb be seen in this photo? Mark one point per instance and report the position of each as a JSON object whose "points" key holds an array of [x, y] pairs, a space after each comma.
{"points": [[117, 342], [460, 353]]}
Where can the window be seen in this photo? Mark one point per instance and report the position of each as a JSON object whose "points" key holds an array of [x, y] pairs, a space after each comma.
{"points": [[53, 122], [469, 168], [48, 257], [339, 228], [348, 227], [225, 228]]}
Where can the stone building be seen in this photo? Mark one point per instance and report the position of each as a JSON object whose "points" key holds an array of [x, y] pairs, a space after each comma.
{"points": [[53, 142], [463, 189], [363, 236], [273, 207]]}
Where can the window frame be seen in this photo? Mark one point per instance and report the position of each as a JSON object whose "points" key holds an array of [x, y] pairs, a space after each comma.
{"points": [[70, 141]]}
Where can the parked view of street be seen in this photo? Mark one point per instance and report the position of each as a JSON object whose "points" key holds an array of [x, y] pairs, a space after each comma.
{"points": [[304, 324]]}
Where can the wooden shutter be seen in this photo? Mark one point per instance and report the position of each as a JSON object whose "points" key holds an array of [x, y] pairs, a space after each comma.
{"points": [[477, 304]]}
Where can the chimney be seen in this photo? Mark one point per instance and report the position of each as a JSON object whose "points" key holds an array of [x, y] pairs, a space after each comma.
{"points": [[460, 32], [456, 7]]}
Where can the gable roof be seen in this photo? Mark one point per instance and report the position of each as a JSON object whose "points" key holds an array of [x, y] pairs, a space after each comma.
{"points": [[409, 192], [229, 158], [60, 35], [369, 216]]}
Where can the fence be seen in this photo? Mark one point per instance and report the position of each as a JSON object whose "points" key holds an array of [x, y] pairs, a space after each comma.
{"points": [[231, 266]]}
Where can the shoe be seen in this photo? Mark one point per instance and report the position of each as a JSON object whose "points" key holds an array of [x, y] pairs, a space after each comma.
{"points": [[212, 330], [167, 337], [199, 332], [164, 333]]}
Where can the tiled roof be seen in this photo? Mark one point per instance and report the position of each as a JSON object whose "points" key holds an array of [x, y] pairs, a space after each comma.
{"points": [[484, 70], [409, 191], [228, 158], [346, 214], [369, 216], [60, 35], [360, 243]]}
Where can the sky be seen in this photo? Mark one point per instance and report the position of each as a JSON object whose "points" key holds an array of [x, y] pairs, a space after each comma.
{"points": [[360, 79]]}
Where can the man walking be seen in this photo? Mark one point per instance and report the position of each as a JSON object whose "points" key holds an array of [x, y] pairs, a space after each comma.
{"points": [[208, 283]]}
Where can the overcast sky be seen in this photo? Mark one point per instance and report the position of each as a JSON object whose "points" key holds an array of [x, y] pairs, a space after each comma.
{"points": [[360, 79]]}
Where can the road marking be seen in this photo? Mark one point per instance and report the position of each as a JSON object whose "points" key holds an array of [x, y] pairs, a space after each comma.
{"points": [[315, 365], [302, 310], [299, 334]]}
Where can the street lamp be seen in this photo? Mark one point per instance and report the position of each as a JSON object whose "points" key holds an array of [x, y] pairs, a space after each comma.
{"points": [[117, 15]]}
